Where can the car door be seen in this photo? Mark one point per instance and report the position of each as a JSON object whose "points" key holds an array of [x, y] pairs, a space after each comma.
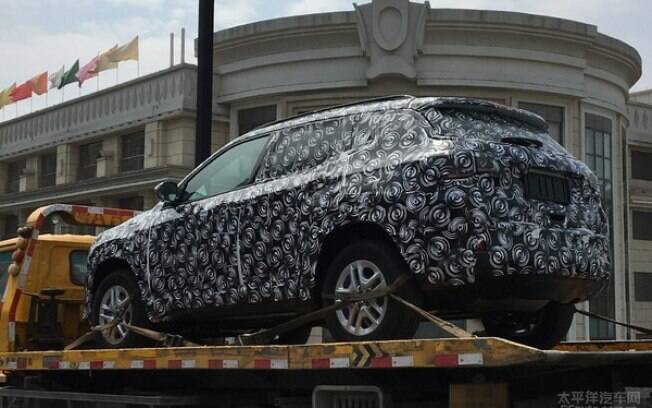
{"points": [[194, 260], [299, 173]]}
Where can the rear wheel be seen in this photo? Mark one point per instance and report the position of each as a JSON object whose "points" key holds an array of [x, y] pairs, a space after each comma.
{"points": [[360, 268], [112, 301], [543, 329]]}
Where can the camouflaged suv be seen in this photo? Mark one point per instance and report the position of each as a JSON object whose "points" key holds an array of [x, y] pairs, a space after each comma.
{"points": [[487, 215]]}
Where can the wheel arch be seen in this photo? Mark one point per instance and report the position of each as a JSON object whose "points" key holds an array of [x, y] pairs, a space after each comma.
{"points": [[105, 268], [341, 237]]}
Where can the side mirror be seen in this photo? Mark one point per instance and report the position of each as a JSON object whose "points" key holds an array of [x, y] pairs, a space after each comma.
{"points": [[168, 191]]}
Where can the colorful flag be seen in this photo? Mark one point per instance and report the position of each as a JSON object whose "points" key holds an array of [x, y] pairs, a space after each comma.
{"points": [[56, 77], [104, 62], [40, 83], [21, 92], [87, 71], [126, 52], [69, 76], [5, 96]]}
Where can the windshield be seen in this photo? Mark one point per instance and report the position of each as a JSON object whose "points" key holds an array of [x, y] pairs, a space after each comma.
{"points": [[5, 261], [228, 171]]}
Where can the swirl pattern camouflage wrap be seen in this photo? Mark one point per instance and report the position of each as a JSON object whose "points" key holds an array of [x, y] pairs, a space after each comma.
{"points": [[435, 173]]}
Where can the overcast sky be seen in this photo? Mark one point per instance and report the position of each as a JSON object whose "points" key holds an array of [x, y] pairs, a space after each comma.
{"points": [[39, 35]]}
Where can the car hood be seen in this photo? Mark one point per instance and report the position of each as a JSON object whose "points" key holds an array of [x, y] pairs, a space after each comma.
{"points": [[128, 228]]}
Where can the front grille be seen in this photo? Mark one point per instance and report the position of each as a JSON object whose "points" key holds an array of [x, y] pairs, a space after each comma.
{"points": [[547, 187]]}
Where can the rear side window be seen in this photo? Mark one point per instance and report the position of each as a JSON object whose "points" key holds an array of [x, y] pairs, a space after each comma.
{"points": [[487, 126], [5, 261], [303, 147], [78, 267]]}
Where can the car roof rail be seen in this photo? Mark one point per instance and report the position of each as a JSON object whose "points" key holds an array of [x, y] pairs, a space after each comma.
{"points": [[359, 102]]}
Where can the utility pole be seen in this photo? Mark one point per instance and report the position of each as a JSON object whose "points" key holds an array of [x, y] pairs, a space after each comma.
{"points": [[204, 81]]}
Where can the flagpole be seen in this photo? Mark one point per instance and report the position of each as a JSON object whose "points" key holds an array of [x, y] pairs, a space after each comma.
{"points": [[31, 104], [98, 74], [138, 67], [63, 90]]}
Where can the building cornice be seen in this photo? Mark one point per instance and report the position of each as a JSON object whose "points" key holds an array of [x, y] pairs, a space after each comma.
{"points": [[109, 185], [301, 22], [434, 47], [131, 104]]}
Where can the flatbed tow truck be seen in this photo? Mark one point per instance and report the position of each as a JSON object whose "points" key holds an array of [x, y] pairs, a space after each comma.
{"points": [[43, 366]]}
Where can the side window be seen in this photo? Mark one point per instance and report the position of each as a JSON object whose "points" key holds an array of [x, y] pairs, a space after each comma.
{"points": [[78, 267], [5, 261], [306, 146], [228, 171]]}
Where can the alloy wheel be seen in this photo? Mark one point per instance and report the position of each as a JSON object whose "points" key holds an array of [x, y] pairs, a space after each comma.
{"points": [[359, 277], [115, 299]]}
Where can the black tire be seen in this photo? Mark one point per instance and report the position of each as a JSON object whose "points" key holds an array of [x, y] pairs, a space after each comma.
{"points": [[126, 280], [297, 336], [543, 329], [398, 321]]}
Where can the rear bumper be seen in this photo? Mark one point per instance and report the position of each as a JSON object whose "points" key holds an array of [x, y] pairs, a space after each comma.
{"points": [[541, 286], [527, 249], [527, 262]]}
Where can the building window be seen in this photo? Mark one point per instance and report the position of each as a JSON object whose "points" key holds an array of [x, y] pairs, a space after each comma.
{"points": [[88, 160], [11, 225], [47, 170], [132, 151], [641, 220], [14, 171], [249, 119], [131, 203], [554, 116], [641, 165], [643, 286], [598, 157]]}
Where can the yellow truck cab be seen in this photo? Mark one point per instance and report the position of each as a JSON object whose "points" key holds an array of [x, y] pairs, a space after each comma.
{"points": [[55, 280], [42, 278]]}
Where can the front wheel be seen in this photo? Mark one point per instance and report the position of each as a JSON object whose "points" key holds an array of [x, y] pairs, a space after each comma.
{"points": [[543, 329], [112, 301], [360, 268]]}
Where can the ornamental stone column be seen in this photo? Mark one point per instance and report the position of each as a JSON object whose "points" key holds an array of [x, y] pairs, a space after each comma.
{"points": [[67, 163], [155, 145]]}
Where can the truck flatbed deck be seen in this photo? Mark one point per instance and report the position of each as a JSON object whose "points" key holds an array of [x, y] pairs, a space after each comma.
{"points": [[427, 353], [460, 372]]}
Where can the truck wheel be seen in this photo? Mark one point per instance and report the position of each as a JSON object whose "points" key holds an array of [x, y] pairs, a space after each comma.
{"points": [[112, 294], [362, 267], [543, 329]]}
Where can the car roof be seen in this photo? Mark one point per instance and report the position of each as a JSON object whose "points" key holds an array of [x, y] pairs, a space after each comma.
{"points": [[402, 102]]}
